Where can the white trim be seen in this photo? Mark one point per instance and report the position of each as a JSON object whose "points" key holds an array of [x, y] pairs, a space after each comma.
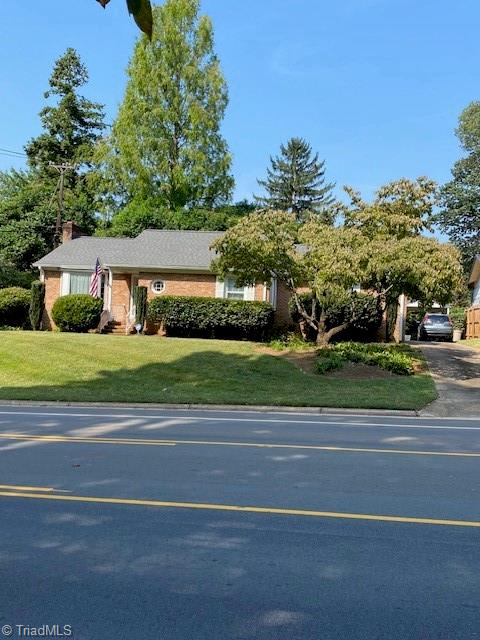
{"points": [[108, 290], [133, 277], [154, 282]]}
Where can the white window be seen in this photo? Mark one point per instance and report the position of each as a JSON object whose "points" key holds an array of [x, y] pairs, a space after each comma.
{"points": [[232, 290], [158, 286], [79, 282], [229, 289]]}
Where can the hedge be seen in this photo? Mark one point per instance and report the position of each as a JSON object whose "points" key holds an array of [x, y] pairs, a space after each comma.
{"points": [[14, 306], [77, 312], [365, 306], [190, 316]]}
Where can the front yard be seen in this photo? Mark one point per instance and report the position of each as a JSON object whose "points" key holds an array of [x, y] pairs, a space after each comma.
{"points": [[98, 368]]}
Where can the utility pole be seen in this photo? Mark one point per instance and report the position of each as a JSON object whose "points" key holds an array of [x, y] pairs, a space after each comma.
{"points": [[61, 168]]}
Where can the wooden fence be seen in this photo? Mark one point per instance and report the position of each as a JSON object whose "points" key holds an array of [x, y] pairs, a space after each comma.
{"points": [[473, 322]]}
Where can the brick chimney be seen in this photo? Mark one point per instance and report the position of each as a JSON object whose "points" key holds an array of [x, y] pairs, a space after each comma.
{"points": [[70, 231]]}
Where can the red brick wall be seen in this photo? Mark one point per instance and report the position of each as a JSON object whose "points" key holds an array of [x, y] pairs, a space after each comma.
{"points": [[180, 284], [52, 292], [120, 306]]}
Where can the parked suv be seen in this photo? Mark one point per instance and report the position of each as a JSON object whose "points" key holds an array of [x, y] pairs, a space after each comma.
{"points": [[436, 326]]}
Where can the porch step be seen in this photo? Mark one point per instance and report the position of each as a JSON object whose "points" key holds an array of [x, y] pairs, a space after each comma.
{"points": [[114, 327]]}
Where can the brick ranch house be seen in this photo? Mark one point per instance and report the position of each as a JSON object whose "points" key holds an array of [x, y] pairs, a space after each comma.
{"points": [[174, 263], [166, 262]]}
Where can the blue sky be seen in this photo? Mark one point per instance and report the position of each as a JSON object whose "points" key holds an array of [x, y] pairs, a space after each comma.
{"points": [[375, 86]]}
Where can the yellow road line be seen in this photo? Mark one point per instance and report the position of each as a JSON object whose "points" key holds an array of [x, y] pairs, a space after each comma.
{"points": [[328, 448], [257, 445], [240, 509], [85, 440], [23, 488]]}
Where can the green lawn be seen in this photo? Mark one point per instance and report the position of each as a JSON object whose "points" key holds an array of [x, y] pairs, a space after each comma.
{"points": [[89, 367]]}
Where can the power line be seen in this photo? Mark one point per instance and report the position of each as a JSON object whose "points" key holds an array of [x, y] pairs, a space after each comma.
{"points": [[13, 153], [61, 168]]}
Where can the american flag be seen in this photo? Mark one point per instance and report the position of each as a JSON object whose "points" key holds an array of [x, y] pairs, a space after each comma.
{"points": [[95, 280]]}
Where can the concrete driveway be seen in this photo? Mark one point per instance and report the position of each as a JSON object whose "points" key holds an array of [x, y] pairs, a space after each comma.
{"points": [[456, 371]]}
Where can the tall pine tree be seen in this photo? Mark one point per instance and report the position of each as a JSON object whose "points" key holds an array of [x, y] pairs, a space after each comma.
{"points": [[296, 182], [166, 148], [71, 130], [28, 199]]}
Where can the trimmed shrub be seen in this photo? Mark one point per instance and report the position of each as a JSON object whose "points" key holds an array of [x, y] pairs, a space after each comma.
{"points": [[365, 307], [77, 312], [37, 300], [190, 316], [14, 306], [140, 301]]}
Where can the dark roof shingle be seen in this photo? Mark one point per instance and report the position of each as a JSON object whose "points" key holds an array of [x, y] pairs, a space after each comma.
{"points": [[151, 249]]}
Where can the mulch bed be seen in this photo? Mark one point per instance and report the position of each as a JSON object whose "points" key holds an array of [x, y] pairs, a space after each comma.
{"points": [[305, 361]]}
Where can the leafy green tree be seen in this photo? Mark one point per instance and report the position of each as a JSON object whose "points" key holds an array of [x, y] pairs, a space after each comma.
{"points": [[460, 198], [136, 216], [27, 219], [166, 144], [296, 182], [378, 245]]}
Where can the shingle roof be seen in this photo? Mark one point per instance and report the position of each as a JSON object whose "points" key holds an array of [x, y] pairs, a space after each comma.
{"points": [[151, 249]]}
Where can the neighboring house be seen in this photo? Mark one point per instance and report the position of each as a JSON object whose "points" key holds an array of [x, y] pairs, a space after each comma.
{"points": [[166, 262], [473, 313]]}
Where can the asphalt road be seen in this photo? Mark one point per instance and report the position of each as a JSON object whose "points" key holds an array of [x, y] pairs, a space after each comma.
{"points": [[184, 525]]}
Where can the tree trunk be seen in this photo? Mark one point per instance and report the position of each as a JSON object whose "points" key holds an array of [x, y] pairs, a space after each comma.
{"points": [[324, 337]]}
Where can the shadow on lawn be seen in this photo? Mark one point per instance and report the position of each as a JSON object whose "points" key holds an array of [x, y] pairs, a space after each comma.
{"points": [[205, 375], [211, 377]]}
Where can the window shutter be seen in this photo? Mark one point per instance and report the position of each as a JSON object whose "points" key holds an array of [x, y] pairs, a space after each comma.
{"points": [[219, 288], [65, 284], [249, 293]]}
